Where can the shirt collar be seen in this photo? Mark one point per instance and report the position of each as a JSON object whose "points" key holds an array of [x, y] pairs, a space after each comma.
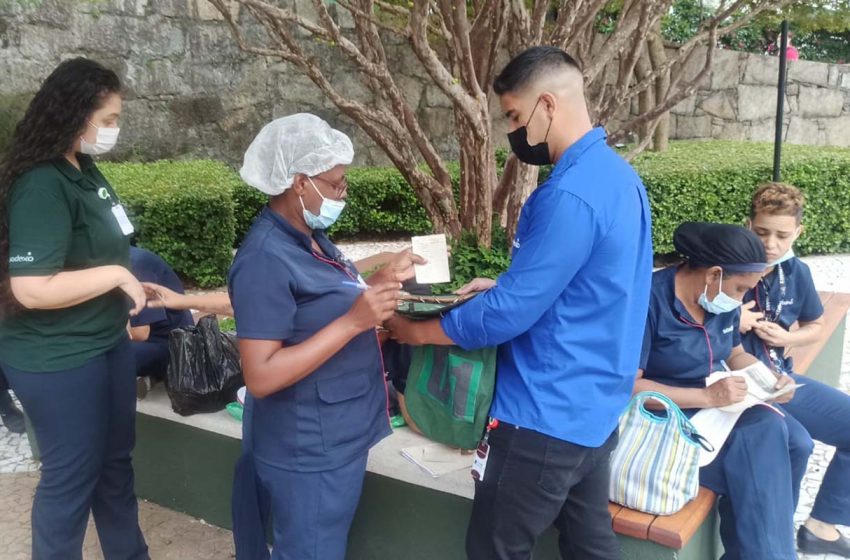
{"points": [[679, 308], [578, 149], [72, 173], [300, 237]]}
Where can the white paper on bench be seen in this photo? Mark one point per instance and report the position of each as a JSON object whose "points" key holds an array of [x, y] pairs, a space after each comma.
{"points": [[437, 459]]}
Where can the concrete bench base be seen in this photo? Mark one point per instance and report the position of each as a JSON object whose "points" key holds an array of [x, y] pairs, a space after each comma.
{"points": [[190, 469]]}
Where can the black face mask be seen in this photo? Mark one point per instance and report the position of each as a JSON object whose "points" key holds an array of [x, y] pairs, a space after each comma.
{"points": [[532, 155]]}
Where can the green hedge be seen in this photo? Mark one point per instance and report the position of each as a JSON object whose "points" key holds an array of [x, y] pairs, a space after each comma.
{"points": [[194, 212], [183, 211], [714, 181]]}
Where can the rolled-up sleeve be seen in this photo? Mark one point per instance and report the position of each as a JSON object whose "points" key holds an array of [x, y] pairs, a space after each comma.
{"points": [[555, 243]]}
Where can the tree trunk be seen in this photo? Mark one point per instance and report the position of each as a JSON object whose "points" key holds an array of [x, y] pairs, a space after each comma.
{"points": [[517, 183], [657, 56], [477, 180], [525, 181], [646, 99]]}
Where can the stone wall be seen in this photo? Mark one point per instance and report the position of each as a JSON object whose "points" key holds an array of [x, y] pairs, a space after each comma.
{"points": [[190, 91], [739, 102]]}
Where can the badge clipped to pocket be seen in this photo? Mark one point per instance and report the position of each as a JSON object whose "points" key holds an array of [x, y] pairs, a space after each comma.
{"points": [[122, 219], [479, 461]]}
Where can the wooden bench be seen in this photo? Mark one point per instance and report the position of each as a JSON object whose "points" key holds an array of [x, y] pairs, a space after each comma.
{"points": [[823, 360]]}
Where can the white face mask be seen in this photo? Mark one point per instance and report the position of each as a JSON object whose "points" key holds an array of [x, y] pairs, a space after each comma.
{"points": [[786, 257], [105, 140]]}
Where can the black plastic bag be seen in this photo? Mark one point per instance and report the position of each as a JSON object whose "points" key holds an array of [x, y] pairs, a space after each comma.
{"points": [[203, 371]]}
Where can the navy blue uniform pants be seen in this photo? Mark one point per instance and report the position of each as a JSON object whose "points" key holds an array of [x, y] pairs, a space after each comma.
{"points": [[754, 474], [311, 511], [823, 413], [151, 358], [84, 422]]}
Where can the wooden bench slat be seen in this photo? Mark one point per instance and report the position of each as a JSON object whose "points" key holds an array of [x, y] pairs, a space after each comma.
{"points": [[614, 509], [633, 523], [835, 306], [674, 531]]}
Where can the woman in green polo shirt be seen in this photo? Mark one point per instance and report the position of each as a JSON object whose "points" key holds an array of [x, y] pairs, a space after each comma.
{"points": [[67, 294]]}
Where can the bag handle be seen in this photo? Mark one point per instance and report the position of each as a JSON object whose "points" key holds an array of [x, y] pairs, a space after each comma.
{"points": [[673, 413]]}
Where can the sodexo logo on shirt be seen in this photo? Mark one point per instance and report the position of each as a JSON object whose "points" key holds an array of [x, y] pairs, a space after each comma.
{"points": [[21, 258]]}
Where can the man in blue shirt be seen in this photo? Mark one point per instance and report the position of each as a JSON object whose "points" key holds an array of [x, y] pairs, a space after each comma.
{"points": [[567, 317]]}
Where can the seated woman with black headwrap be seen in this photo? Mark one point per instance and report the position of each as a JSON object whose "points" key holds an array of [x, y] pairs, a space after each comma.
{"points": [[691, 332]]}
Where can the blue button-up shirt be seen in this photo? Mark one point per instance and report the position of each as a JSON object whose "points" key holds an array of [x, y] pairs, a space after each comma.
{"points": [[568, 314], [798, 301], [282, 290]]}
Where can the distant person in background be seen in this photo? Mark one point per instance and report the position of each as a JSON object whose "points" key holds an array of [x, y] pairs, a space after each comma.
{"points": [[791, 52], [12, 418], [150, 329]]}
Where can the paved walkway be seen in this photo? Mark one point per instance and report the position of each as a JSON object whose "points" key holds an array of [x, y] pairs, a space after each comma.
{"points": [[176, 536]]}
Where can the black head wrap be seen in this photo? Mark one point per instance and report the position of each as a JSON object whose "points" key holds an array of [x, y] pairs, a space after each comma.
{"points": [[734, 248]]}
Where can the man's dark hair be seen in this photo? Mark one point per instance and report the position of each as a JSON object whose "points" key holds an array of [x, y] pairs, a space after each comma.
{"points": [[530, 65]]}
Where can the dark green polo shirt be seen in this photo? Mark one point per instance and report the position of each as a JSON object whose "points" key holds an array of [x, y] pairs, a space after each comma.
{"points": [[60, 219]]}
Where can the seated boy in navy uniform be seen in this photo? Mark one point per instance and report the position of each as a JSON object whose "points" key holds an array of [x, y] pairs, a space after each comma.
{"points": [[150, 329], [784, 296]]}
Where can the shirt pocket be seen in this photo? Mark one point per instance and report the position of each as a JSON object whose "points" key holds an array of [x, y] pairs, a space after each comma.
{"points": [[344, 413]]}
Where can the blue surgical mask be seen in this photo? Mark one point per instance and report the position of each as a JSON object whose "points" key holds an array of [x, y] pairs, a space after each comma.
{"points": [[328, 213], [786, 257], [721, 304]]}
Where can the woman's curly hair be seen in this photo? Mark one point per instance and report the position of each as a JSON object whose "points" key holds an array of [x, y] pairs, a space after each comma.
{"points": [[48, 130]]}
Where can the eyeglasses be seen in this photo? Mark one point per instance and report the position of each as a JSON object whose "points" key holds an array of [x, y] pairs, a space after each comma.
{"points": [[338, 189]]}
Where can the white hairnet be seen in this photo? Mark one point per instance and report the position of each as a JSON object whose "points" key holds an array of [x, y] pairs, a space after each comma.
{"points": [[301, 143]]}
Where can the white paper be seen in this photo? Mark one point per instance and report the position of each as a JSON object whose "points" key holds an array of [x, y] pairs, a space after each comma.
{"points": [[437, 459], [433, 249], [715, 424]]}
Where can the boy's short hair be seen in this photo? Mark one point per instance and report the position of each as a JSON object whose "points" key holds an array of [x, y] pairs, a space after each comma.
{"points": [[778, 199]]}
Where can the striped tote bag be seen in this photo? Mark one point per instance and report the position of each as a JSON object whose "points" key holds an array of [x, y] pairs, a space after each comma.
{"points": [[655, 467]]}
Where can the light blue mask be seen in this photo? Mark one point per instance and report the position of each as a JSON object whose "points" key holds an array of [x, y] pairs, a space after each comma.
{"points": [[328, 213], [786, 257], [721, 303]]}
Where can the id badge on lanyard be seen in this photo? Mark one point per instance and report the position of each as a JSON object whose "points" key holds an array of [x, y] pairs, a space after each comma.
{"points": [[482, 453], [122, 219], [117, 211], [773, 316]]}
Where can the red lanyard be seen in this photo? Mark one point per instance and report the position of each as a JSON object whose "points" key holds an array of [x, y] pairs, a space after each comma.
{"points": [[707, 341]]}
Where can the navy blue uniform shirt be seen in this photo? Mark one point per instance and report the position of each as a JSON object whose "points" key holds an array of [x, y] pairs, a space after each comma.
{"points": [[281, 290], [798, 302], [150, 267], [677, 350], [569, 312]]}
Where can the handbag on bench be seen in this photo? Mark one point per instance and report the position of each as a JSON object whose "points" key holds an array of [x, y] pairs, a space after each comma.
{"points": [[655, 468]]}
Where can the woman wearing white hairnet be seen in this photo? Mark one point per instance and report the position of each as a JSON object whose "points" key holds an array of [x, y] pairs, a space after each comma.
{"points": [[306, 322]]}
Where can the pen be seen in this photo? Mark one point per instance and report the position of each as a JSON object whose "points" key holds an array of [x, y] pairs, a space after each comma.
{"points": [[357, 285], [726, 367]]}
